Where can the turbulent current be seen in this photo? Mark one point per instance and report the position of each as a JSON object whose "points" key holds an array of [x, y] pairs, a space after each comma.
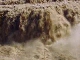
{"points": [[45, 31], [67, 48]]}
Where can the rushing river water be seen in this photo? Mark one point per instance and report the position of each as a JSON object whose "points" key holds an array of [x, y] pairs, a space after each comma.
{"points": [[67, 48]]}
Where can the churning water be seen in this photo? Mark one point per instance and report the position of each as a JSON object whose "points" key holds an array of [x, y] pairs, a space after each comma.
{"points": [[67, 48]]}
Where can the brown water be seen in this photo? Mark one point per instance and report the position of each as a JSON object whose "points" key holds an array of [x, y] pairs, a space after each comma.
{"points": [[67, 48]]}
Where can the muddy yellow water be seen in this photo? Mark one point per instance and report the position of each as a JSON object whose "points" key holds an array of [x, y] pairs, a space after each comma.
{"points": [[67, 48]]}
